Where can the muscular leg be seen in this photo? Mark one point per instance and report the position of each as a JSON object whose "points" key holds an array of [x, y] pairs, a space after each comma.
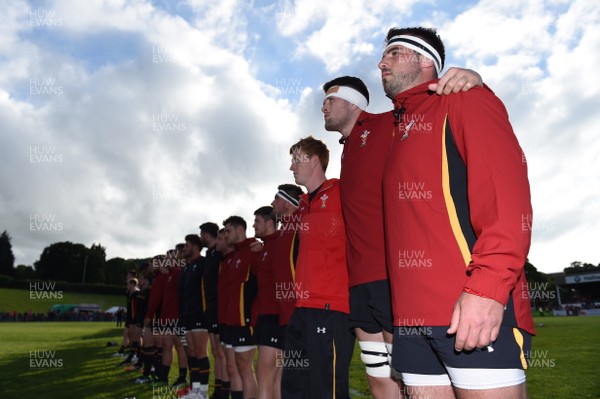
{"points": [[244, 362], [266, 372], [513, 392], [181, 356], [220, 370], [429, 392], [232, 370]]}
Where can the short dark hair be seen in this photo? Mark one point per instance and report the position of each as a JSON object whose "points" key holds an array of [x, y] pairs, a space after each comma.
{"points": [[348, 81], [311, 146], [132, 272], [292, 190], [194, 239], [144, 266], [146, 270], [179, 246], [429, 35], [235, 221], [266, 212], [210, 228]]}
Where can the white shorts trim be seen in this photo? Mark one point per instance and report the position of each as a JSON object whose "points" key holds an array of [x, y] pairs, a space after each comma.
{"points": [[245, 348], [485, 378], [465, 378]]}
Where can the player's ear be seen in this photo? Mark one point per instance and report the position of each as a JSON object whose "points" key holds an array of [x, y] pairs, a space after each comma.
{"points": [[314, 161], [426, 62]]}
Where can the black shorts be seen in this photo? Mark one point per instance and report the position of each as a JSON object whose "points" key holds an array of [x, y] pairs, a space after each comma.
{"points": [[139, 321], [429, 350], [371, 307], [195, 321], [213, 328], [237, 336], [224, 335], [211, 320], [268, 331]]}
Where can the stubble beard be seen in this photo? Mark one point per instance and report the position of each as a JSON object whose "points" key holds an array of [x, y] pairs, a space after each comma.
{"points": [[331, 125], [337, 124], [397, 83]]}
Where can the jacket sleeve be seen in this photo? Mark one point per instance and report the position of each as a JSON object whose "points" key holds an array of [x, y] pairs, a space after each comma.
{"points": [[155, 297], [498, 192]]}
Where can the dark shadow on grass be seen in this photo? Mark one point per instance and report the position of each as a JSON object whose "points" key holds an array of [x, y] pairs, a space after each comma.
{"points": [[110, 334], [83, 372]]}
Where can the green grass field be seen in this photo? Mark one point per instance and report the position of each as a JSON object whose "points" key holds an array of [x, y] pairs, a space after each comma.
{"points": [[22, 301], [73, 361]]}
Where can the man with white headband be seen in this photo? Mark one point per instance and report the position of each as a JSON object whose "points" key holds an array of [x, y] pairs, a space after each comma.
{"points": [[455, 190], [366, 138]]}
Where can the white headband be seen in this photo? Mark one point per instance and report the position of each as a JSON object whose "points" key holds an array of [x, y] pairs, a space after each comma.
{"points": [[286, 197], [350, 95], [418, 45]]}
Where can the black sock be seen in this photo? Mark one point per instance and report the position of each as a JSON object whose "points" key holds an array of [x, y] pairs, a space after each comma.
{"points": [[237, 394], [194, 370], [157, 362], [133, 351], [217, 391], [225, 389], [140, 356], [148, 355], [164, 373], [183, 373], [204, 370]]}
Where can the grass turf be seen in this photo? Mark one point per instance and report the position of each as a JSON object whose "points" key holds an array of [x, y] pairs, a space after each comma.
{"points": [[73, 361]]}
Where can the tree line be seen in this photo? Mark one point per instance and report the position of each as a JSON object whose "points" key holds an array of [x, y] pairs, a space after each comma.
{"points": [[76, 263], [69, 262]]}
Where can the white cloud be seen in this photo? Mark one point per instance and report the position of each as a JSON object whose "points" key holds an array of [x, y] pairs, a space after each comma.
{"points": [[162, 121], [539, 59], [339, 31], [147, 146]]}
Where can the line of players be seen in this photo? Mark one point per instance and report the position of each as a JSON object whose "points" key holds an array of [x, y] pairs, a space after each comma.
{"points": [[227, 297]]}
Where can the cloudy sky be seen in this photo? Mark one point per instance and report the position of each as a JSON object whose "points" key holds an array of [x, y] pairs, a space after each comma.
{"points": [[130, 122]]}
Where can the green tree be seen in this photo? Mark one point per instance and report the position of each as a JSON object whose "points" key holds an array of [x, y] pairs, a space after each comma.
{"points": [[533, 275], [116, 270], [23, 272], [71, 262], [99, 249], [7, 259], [579, 267]]}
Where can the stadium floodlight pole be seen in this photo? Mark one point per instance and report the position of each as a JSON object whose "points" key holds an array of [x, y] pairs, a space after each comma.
{"points": [[84, 267]]}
